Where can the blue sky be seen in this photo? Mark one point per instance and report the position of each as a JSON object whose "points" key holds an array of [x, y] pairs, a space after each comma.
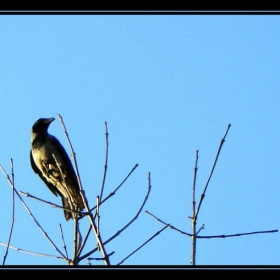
{"points": [[166, 85]]}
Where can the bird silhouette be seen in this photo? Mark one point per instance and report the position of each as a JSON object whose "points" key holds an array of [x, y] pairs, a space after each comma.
{"points": [[50, 161]]}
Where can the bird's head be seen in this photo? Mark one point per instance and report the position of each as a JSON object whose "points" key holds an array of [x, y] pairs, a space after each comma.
{"points": [[41, 125]]}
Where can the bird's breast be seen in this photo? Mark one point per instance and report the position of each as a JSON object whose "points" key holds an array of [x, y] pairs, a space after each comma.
{"points": [[41, 156]]}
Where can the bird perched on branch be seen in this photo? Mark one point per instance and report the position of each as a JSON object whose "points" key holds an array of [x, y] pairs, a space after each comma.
{"points": [[50, 161]]}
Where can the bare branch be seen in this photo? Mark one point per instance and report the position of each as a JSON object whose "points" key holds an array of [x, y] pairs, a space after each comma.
{"points": [[114, 192], [209, 236], [216, 159], [194, 184], [237, 234], [76, 247], [97, 212], [99, 259], [63, 241], [157, 233], [30, 252], [201, 228], [13, 213], [84, 241], [106, 161], [50, 203], [168, 224], [193, 218]]}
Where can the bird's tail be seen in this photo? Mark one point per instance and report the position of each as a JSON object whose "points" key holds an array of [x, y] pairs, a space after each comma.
{"points": [[67, 214], [72, 200]]}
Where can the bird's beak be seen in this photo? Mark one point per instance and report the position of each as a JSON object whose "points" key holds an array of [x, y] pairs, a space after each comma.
{"points": [[48, 121]]}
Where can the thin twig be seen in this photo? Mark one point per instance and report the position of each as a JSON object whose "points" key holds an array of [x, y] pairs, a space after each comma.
{"points": [[237, 234], [209, 236], [114, 192], [157, 233], [13, 212], [84, 241], [194, 184], [63, 241], [100, 259], [106, 161], [201, 228], [193, 213], [97, 213], [30, 252], [212, 170], [168, 224], [48, 202]]}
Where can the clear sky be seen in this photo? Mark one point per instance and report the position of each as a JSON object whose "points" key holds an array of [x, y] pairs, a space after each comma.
{"points": [[166, 85]]}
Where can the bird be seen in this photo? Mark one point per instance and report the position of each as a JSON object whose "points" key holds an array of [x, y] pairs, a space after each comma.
{"points": [[51, 162]]}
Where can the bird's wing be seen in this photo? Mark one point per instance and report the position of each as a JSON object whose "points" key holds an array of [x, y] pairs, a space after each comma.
{"points": [[69, 183], [63, 159], [37, 170]]}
